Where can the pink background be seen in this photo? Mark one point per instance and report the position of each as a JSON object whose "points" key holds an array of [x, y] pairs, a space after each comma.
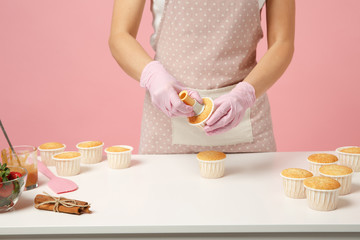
{"points": [[59, 81]]}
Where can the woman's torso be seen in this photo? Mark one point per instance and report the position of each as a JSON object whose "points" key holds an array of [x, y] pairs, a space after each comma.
{"points": [[157, 9]]}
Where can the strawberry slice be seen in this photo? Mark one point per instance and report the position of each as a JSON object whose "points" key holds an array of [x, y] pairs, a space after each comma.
{"points": [[14, 175]]}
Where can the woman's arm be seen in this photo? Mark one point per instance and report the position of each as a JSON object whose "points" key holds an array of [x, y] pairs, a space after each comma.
{"points": [[129, 54], [280, 17]]}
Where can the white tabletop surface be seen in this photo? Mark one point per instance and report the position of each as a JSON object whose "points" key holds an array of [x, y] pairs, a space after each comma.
{"points": [[165, 194]]}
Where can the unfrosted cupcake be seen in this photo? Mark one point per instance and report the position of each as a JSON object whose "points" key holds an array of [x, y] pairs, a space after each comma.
{"points": [[293, 182], [322, 193], [212, 164], [340, 173], [349, 156], [119, 156], [200, 120], [47, 150], [67, 163], [91, 151], [320, 159], [202, 111]]}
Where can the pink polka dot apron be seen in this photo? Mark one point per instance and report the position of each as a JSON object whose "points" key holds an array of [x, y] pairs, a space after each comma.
{"points": [[209, 46]]}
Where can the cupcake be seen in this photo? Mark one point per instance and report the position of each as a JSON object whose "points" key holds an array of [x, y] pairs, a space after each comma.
{"points": [[200, 120], [119, 156], [320, 159], [91, 151], [67, 163], [349, 156], [47, 150], [293, 182], [322, 193], [202, 111], [340, 173], [212, 164]]}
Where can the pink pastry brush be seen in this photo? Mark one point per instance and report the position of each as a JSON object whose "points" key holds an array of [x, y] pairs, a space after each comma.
{"points": [[57, 184]]}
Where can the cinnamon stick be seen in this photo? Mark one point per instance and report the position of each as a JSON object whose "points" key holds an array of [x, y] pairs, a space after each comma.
{"points": [[60, 204]]}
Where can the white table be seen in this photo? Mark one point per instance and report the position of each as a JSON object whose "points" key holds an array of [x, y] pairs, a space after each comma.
{"points": [[164, 196]]}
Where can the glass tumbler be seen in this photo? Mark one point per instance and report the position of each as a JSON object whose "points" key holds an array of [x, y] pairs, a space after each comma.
{"points": [[25, 156]]}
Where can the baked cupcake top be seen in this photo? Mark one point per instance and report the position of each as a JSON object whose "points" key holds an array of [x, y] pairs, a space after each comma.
{"points": [[208, 106], [322, 158], [335, 170], [67, 155], [51, 145], [321, 183], [117, 149], [354, 150], [211, 155], [296, 173], [89, 144]]}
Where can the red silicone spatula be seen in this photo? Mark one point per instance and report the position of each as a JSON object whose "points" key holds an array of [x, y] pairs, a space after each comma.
{"points": [[57, 184]]}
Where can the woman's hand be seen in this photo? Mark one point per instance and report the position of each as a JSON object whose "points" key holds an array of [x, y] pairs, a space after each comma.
{"points": [[164, 89], [230, 109]]}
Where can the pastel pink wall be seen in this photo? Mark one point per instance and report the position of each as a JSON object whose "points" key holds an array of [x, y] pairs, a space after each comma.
{"points": [[59, 81]]}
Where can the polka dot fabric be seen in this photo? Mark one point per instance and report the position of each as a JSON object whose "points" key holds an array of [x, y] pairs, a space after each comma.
{"points": [[207, 45]]}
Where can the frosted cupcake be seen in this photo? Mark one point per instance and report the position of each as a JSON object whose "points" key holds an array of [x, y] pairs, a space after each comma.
{"points": [[349, 156], [67, 163], [322, 193], [119, 156], [320, 159], [293, 182], [340, 173], [212, 164], [91, 151], [47, 150]]}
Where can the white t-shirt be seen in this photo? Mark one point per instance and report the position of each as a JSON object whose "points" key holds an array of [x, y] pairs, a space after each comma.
{"points": [[158, 9]]}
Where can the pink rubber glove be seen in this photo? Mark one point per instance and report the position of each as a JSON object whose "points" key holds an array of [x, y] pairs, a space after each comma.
{"points": [[230, 109], [164, 90]]}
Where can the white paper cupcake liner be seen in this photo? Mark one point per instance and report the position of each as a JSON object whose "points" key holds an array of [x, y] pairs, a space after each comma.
{"points": [[46, 155], [91, 155], [293, 187], [351, 160], [118, 160], [212, 169], [322, 200], [67, 167], [345, 182], [314, 167]]}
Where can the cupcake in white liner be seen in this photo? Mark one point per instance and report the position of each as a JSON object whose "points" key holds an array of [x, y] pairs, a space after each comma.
{"points": [[320, 159], [67, 163], [211, 163], [202, 111], [293, 182], [349, 156], [47, 150], [322, 193], [342, 174], [119, 156], [199, 121], [91, 151]]}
